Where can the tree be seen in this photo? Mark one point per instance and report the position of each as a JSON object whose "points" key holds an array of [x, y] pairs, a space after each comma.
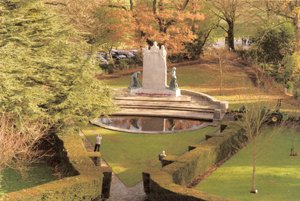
{"points": [[103, 24], [19, 143], [252, 122], [46, 70], [222, 56], [228, 11], [273, 43], [289, 9], [168, 22], [134, 23], [203, 34]]}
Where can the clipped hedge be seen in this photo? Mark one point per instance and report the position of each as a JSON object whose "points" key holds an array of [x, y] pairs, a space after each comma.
{"points": [[84, 186], [168, 183]]}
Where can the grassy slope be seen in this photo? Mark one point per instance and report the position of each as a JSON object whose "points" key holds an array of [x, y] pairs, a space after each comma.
{"points": [[11, 180], [278, 176], [238, 88], [129, 154]]}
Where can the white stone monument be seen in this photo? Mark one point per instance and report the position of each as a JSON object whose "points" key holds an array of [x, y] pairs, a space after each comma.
{"points": [[155, 73]]}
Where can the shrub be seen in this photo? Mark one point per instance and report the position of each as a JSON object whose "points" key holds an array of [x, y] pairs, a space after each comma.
{"points": [[123, 64], [297, 93], [138, 59], [273, 44], [174, 58]]}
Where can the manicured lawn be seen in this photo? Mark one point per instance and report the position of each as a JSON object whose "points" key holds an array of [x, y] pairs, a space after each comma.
{"points": [[129, 154], [278, 175], [11, 180]]}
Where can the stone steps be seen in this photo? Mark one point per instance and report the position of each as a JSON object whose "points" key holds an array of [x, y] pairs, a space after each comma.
{"points": [[192, 104], [189, 105], [159, 107], [154, 99]]}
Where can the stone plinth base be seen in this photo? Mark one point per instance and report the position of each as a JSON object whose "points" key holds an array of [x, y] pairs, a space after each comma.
{"points": [[155, 92]]}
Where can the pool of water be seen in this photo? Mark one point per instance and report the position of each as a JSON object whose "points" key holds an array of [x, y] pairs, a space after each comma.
{"points": [[151, 124]]}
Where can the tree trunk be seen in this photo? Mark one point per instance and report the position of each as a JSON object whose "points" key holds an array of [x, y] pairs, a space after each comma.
{"points": [[131, 5], [221, 73], [230, 34], [253, 188]]}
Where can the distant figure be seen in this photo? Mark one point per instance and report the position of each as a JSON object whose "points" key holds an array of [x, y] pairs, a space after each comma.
{"points": [[134, 123], [162, 155], [135, 83], [98, 143], [173, 82], [172, 124]]}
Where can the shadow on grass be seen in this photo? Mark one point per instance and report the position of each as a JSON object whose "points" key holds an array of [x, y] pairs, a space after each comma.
{"points": [[278, 176], [11, 180]]}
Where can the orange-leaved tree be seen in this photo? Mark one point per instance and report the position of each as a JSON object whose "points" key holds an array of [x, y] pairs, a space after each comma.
{"points": [[168, 22], [106, 25], [135, 22]]}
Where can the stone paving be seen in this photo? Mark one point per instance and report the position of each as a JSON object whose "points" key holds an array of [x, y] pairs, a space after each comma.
{"points": [[120, 192]]}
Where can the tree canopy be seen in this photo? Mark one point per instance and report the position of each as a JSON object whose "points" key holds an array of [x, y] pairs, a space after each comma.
{"points": [[46, 69]]}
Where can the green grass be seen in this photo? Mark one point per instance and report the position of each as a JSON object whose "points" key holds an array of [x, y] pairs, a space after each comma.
{"points": [[129, 154], [278, 175], [11, 180]]}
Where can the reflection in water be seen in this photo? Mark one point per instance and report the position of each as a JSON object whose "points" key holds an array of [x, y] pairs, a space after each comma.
{"points": [[158, 124]]}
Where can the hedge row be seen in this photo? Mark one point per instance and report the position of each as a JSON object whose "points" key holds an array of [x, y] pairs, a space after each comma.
{"points": [[84, 186], [168, 183]]}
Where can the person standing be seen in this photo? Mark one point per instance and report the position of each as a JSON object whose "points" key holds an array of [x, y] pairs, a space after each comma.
{"points": [[98, 143]]}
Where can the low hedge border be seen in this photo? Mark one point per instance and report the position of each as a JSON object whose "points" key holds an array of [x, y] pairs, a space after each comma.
{"points": [[168, 183], [86, 185]]}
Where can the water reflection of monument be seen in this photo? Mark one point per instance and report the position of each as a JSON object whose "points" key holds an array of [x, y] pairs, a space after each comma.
{"points": [[150, 123]]}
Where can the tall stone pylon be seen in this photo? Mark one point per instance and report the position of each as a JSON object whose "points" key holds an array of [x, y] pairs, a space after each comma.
{"points": [[155, 73], [155, 67]]}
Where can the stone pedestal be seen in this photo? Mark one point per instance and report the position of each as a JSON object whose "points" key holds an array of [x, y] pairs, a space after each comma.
{"points": [[155, 92]]}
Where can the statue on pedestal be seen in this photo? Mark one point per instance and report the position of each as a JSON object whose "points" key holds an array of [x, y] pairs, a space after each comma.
{"points": [[173, 83], [135, 83]]}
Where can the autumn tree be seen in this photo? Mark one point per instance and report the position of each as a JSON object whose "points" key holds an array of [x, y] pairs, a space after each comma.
{"points": [[168, 22], [105, 25], [228, 11]]}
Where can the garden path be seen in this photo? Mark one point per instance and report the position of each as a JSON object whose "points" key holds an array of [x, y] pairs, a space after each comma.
{"points": [[118, 190]]}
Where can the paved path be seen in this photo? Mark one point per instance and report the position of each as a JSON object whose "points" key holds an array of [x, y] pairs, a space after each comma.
{"points": [[118, 191]]}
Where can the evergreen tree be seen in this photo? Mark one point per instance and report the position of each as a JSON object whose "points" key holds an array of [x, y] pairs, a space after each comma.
{"points": [[45, 68]]}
